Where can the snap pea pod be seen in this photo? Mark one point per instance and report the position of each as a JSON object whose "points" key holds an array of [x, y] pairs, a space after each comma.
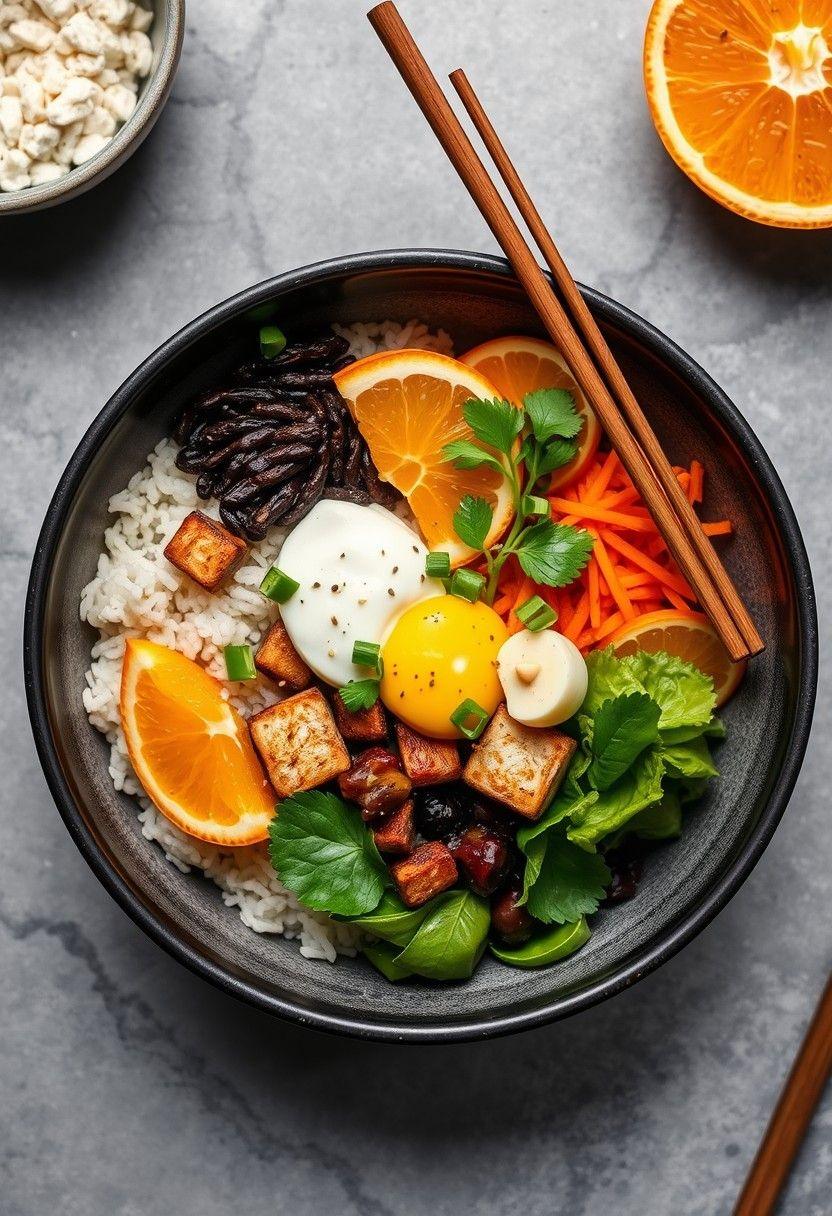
{"points": [[547, 947]]}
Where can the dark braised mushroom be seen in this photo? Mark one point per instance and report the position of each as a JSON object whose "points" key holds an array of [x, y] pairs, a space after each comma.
{"points": [[278, 439]]}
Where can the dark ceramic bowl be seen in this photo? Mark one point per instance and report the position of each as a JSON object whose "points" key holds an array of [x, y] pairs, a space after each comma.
{"points": [[686, 882]]}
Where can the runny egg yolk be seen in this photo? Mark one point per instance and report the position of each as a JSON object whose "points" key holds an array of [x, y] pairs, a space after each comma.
{"points": [[439, 653]]}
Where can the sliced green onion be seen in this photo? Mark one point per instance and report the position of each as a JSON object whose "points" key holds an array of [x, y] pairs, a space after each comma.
{"points": [[470, 718], [368, 654], [536, 614], [272, 341], [467, 584], [438, 565], [239, 663], [278, 586], [533, 505]]}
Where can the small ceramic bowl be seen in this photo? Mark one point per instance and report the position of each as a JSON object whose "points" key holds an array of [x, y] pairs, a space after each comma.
{"points": [[685, 881], [166, 35]]}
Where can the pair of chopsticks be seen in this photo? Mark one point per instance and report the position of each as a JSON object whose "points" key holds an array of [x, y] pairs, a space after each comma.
{"points": [[792, 1115], [572, 327]]}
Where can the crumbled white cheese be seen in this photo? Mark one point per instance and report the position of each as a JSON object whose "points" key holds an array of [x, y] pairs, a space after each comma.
{"points": [[69, 77]]}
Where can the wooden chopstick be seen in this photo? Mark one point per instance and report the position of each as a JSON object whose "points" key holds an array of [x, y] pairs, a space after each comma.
{"points": [[594, 339], [404, 52], [795, 1107]]}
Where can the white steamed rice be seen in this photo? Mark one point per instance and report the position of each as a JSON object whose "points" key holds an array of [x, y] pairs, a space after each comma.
{"points": [[138, 593]]}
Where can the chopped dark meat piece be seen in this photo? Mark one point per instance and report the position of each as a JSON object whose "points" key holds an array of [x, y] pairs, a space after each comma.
{"points": [[483, 857], [375, 781]]}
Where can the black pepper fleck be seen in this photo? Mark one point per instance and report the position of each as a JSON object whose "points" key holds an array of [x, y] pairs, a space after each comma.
{"points": [[390, 591], [315, 586]]}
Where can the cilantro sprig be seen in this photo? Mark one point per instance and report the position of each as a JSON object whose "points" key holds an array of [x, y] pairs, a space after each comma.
{"points": [[546, 427]]}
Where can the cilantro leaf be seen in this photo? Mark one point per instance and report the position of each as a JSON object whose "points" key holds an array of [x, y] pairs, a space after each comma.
{"points": [[326, 855], [623, 727], [555, 455], [495, 423], [552, 412], [569, 884], [554, 554], [359, 694], [472, 521], [639, 787], [684, 693], [464, 454]]}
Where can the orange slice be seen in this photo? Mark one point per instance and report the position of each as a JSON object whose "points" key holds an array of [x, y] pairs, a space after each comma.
{"points": [[741, 95], [517, 366], [191, 750], [689, 636], [408, 405]]}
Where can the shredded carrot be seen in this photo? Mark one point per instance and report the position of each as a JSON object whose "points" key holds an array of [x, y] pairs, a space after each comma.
{"points": [[697, 482], [623, 579]]}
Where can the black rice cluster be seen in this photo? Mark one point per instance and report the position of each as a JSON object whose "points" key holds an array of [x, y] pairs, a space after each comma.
{"points": [[276, 439]]}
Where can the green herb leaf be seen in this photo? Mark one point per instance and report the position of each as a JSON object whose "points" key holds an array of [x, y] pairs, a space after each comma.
{"points": [[544, 948], [570, 882], [383, 958], [552, 412], [325, 854], [660, 822], [359, 694], [466, 455], [472, 521], [623, 727], [495, 423], [554, 554], [684, 693], [640, 787], [391, 920], [450, 940], [555, 455]]}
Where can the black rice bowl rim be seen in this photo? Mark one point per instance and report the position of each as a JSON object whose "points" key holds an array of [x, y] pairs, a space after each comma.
{"points": [[648, 959]]}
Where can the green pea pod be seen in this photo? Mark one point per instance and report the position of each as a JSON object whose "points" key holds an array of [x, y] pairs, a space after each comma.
{"points": [[383, 958], [545, 948]]}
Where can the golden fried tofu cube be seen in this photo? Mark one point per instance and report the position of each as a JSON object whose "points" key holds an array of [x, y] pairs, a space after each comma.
{"points": [[519, 766], [427, 761], [276, 657], [397, 835], [205, 550], [363, 726], [299, 743], [427, 871]]}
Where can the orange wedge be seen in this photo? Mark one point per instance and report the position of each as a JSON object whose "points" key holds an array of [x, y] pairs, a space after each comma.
{"points": [[689, 636], [517, 366], [191, 750], [741, 95], [408, 405]]}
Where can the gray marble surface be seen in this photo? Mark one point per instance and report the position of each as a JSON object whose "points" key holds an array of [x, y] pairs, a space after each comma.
{"points": [[128, 1086]]}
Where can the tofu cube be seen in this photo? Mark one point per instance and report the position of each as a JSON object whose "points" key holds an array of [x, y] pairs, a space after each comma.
{"points": [[363, 726], [427, 761], [520, 766], [299, 743], [205, 550], [397, 835], [278, 659], [427, 871]]}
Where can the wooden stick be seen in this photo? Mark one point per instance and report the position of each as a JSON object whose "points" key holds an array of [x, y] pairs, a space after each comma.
{"points": [[796, 1104], [605, 359], [423, 85]]}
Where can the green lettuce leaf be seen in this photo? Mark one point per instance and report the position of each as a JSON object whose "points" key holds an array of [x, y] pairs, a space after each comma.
{"points": [[607, 678], [685, 694], [640, 787], [691, 759]]}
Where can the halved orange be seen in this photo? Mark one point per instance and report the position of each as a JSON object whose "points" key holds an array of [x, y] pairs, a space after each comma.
{"points": [[517, 366], [191, 750], [689, 636], [741, 95], [408, 405]]}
